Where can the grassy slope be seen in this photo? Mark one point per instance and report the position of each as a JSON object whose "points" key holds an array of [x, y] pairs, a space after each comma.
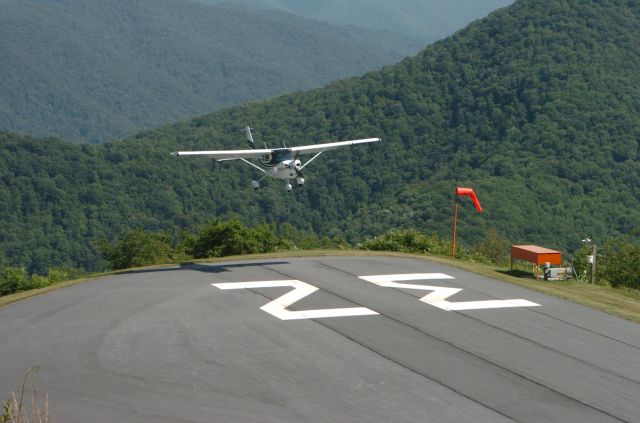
{"points": [[621, 303]]}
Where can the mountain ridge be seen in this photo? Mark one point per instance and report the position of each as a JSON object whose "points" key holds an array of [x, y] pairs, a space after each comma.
{"points": [[535, 107], [426, 21], [88, 70]]}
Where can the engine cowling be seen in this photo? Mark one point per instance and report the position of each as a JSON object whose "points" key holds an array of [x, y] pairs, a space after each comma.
{"points": [[300, 181]]}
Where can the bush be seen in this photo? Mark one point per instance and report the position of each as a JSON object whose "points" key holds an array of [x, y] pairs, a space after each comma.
{"points": [[493, 249], [219, 239], [580, 265], [56, 275], [619, 263], [408, 241], [34, 282], [13, 279], [137, 248]]}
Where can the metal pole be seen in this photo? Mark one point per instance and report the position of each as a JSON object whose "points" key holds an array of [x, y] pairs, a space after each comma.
{"points": [[593, 264], [455, 221]]}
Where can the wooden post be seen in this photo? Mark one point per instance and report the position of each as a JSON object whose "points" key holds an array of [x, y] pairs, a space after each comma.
{"points": [[593, 264], [455, 221]]}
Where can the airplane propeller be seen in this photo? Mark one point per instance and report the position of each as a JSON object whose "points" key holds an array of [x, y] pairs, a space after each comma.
{"points": [[297, 167]]}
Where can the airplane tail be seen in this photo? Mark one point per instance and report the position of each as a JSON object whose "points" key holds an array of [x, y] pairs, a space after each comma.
{"points": [[252, 145]]}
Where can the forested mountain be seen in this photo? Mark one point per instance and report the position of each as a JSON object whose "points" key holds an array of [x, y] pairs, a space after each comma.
{"points": [[94, 70], [537, 107], [424, 20]]}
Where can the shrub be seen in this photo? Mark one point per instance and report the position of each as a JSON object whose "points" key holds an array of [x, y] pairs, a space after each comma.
{"points": [[34, 282], [493, 249], [619, 263], [56, 275], [137, 248], [219, 239], [408, 241], [13, 279]]}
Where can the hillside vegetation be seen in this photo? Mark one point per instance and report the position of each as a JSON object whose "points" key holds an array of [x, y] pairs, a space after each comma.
{"points": [[536, 107], [95, 70]]}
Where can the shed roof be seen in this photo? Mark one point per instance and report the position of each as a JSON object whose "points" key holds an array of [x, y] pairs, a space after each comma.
{"points": [[535, 249]]}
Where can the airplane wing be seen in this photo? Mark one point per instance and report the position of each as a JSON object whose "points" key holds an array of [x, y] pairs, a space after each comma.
{"points": [[316, 148], [225, 154], [249, 154]]}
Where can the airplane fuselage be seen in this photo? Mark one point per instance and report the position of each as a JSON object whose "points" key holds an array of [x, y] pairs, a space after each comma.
{"points": [[281, 164]]}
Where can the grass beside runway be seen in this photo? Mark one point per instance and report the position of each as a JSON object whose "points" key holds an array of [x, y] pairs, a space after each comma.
{"points": [[623, 303]]}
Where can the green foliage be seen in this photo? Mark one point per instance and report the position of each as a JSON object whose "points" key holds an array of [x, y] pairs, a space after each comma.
{"points": [[13, 279], [536, 107], [617, 262], [137, 248], [16, 279], [620, 263], [413, 241], [493, 248], [408, 241], [95, 70], [56, 275], [219, 239], [34, 282], [296, 239], [580, 265]]}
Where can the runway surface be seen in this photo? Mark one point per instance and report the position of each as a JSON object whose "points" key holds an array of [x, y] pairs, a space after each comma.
{"points": [[328, 339]]}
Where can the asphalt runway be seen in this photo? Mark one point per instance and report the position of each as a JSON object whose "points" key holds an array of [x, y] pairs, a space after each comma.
{"points": [[327, 339]]}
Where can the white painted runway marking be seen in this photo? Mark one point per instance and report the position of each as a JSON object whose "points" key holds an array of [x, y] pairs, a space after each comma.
{"points": [[438, 297], [301, 289]]}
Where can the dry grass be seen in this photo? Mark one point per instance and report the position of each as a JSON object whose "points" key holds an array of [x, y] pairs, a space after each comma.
{"points": [[15, 410]]}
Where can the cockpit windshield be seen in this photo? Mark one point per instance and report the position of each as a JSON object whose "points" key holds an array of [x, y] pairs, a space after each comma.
{"points": [[281, 154]]}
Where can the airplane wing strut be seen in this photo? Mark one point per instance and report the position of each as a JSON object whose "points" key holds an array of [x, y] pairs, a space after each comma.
{"points": [[310, 160]]}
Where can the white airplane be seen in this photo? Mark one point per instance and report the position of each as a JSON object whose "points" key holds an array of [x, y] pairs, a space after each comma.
{"points": [[279, 163]]}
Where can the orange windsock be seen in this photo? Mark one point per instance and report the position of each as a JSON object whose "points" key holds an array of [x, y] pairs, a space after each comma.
{"points": [[469, 193]]}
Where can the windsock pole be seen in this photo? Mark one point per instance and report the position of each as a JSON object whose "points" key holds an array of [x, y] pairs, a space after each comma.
{"points": [[469, 193], [455, 222]]}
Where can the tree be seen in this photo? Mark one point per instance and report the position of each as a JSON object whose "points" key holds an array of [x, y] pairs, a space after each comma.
{"points": [[137, 248], [219, 239], [619, 263]]}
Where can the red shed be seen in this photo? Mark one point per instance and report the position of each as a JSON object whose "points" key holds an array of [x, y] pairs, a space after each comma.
{"points": [[534, 254]]}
